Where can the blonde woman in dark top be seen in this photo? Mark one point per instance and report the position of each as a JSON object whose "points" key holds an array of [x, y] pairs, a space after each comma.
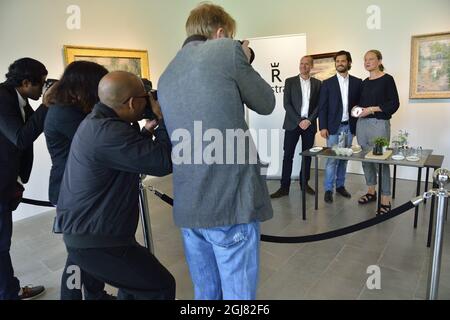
{"points": [[379, 100]]}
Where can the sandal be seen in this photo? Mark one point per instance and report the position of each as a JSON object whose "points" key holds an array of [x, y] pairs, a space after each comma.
{"points": [[365, 199], [385, 208]]}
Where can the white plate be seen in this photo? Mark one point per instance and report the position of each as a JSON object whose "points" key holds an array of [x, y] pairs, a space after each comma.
{"points": [[412, 158], [398, 157], [316, 149]]}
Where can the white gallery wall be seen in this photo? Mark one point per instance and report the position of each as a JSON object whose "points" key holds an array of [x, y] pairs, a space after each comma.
{"points": [[37, 28]]}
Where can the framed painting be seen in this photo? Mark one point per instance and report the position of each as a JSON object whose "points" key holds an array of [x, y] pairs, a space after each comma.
{"points": [[430, 66], [134, 61], [324, 66]]}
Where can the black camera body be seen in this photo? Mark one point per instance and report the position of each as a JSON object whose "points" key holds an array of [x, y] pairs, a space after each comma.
{"points": [[48, 83], [148, 112], [252, 53]]}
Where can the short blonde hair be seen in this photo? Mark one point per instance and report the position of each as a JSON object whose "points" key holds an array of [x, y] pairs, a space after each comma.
{"points": [[206, 18]]}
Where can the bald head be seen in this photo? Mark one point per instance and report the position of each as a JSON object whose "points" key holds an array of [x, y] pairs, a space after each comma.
{"points": [[117, 86]]}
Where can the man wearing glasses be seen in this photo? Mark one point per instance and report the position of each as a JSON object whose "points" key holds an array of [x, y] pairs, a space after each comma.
{"points": [[98, 203]]}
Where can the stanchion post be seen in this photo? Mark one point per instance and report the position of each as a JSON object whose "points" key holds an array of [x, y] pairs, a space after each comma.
{"points": [[145, 216], [442, 177]]}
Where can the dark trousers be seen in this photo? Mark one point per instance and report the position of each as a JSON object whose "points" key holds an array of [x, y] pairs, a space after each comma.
{"points": [[9, 285], [93, 288], [291, 138], [133, 270]]}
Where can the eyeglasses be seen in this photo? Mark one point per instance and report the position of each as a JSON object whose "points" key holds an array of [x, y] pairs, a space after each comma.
{"points": [[146, 96]]}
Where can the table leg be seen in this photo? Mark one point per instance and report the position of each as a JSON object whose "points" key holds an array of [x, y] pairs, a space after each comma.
{"points": [[303, 188], [394, 182], [380, 181], [416, 213], [426, 183], [316, 178]]}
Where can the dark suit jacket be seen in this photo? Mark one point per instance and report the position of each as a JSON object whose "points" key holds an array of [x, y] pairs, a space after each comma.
{"points": [[330, 103], [293, 103], [16, 140]]}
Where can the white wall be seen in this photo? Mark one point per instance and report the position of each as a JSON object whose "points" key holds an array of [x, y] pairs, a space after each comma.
{"points": [[37, 28]]}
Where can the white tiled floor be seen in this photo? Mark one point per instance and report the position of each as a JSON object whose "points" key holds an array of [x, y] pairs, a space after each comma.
{"points": [[331, 269]]}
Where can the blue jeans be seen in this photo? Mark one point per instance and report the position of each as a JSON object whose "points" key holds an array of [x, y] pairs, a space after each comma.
{"points": [[223, 261], [9, 285], [336, 169]]}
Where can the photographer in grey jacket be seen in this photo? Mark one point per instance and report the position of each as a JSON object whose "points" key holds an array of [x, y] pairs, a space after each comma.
{"points": [[98, 201], [218, 203]]}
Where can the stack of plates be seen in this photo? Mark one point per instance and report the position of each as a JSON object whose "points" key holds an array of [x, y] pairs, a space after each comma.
{"points": [[413, 158], [398, 157]]}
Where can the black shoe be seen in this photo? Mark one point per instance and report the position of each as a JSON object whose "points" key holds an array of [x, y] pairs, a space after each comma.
{"points": [[27, 293], [328, 197], [309, 190], [280, 193], [343, 192]]}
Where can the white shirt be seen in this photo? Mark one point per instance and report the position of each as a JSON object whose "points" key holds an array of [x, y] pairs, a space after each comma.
{"points": [[306, 93], [343, 85], [22, 104]]}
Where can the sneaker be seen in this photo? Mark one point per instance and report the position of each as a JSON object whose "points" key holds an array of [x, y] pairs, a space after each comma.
{"points": [[29, 292], [280, 193]]}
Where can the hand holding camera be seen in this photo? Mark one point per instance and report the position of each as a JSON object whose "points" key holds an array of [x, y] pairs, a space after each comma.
{"points": [[47, 90], [248, 51]]}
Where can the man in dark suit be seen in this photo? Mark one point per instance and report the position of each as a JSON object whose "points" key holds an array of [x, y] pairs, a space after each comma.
{"points": [[19, 128], [301, 95], [338, 96]]}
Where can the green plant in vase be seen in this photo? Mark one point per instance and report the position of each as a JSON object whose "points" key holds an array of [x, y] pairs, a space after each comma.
{"points": [[379, 144]]}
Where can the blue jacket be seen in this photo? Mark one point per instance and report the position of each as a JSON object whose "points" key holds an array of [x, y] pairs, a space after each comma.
{"points": [[330, 104]]}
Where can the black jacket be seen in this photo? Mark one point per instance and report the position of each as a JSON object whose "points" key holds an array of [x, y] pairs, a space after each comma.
{"points": [[98, 199], [293, 103], [330, 103], [16, 140], [60, 126]]}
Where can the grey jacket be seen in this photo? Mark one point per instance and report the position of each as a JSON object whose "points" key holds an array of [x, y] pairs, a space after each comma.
{"points": [[208, 82], [293, 103]]}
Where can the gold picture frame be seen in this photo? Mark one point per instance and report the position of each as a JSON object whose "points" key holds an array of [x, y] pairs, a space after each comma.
{"points": [[430, 66], [324, 66], [134, 61]]}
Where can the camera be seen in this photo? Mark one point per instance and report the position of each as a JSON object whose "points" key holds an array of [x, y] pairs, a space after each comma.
{"points": [[252, 53], [48, 83], [148, 111]]}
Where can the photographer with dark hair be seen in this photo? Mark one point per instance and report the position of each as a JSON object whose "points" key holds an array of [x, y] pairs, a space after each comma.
{"points": [[71, 99], [20, 126], [98, 200]]}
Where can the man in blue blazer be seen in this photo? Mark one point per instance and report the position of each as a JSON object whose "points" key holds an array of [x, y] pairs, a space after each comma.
{"points": [[20, 126], [339, 94]]}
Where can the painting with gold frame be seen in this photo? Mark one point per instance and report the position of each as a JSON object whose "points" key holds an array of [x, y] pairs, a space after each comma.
{"points": [[324, 66], [430, 66], [134, 61]]}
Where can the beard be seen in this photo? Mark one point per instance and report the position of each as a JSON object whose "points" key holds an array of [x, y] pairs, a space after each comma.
{"points": [[342, 68]]}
